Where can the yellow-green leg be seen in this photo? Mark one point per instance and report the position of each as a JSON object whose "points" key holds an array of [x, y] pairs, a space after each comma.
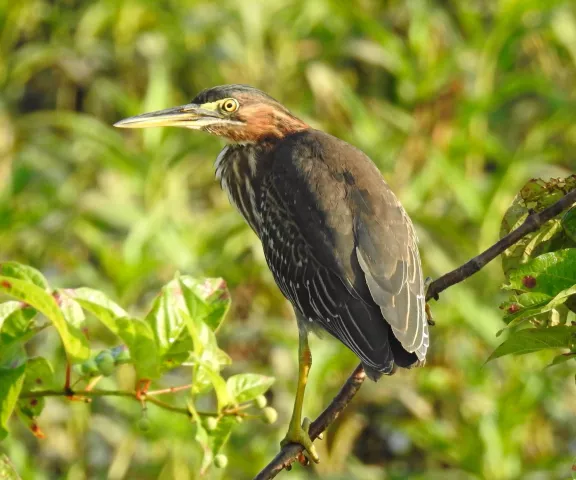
{"points": [[298, 430]]}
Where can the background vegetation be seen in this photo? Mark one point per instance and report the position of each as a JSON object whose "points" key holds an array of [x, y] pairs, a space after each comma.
{"points": [[459, 104]]}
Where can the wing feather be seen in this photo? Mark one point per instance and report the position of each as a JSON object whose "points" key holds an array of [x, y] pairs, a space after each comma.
{"points": [[388, 254], [354, 265]]}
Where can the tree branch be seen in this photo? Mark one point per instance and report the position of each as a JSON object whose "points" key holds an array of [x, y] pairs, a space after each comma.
{"points": [[532, 223], [289, 453]]}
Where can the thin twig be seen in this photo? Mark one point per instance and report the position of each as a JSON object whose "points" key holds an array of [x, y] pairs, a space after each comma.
{"points": [[532, 223], [289, 453], [169, 390], [128, 394]]}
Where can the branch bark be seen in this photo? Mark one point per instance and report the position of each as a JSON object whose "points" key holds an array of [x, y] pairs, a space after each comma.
{"points": [[289, 453]]}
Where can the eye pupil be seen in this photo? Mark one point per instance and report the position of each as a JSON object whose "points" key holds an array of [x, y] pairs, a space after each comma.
{"points": [[230, 106]]}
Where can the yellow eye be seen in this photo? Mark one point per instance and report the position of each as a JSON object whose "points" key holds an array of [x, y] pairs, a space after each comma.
{"points": [[230, 105]]}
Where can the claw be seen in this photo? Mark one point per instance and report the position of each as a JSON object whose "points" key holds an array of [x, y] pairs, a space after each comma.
{"points": [[429, 317], [299, 434]]}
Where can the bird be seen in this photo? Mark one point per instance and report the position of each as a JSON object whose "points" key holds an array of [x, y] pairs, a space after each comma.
{"points": [[336, 239]]}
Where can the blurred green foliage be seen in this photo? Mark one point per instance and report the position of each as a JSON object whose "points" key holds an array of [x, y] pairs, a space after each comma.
{"points": [[459, 104]]}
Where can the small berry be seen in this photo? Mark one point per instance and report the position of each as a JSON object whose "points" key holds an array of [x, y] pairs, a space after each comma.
{"points": [[144, 424], [220, 461], [105, 362], [270, 415], [261, 401], [121, 354], [89, 367], [211, 423]]}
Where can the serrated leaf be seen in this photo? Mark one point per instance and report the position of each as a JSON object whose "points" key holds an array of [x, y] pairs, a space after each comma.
{"points": [[74, 341], [139, 339], [535, 339], [246, 387], [24, 272], [99, 305], [11, 381]]}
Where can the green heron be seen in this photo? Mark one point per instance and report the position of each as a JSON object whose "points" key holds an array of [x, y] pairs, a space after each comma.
{"points": [[339, 244]]}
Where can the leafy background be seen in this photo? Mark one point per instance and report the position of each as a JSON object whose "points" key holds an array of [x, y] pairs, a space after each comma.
{"points": [[459, 104]]}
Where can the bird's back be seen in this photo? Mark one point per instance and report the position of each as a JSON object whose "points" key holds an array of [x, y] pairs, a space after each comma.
{"points": [[338, 243]]}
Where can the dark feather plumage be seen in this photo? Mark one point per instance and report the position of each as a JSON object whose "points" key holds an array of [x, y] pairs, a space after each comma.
{"points": [[339, 244]]}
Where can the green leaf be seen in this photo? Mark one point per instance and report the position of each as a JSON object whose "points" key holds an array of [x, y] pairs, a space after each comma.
{"points": [[535, 196], [139, 339], [28, 417], [7, 470], [201, 436], [31, 406], [99, 305], [247, 386], [218, 437], [168, 325], [7, 309], [24, 272], [549, 273], [521, 306], [563, 358], [39, 375], [207, 300], [16, 319], [11, 381], [569, 223], [71, 309], [206, 372], [208, 360], [74, 341], [535, 339], [529, 305]]}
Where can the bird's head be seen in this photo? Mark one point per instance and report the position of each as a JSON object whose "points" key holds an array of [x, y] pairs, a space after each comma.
{"points": [[239, 113]]}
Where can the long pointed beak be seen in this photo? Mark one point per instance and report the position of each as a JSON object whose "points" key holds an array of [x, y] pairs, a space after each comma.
{"points": [[191, 116]]}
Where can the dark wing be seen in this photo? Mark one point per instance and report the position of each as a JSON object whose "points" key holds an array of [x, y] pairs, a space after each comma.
{"points": [[318, 294], [317, 240], [388, 254]]}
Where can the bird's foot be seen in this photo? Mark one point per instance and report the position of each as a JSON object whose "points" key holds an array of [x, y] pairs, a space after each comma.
{"points": [[299, 434], [429, 318]]}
